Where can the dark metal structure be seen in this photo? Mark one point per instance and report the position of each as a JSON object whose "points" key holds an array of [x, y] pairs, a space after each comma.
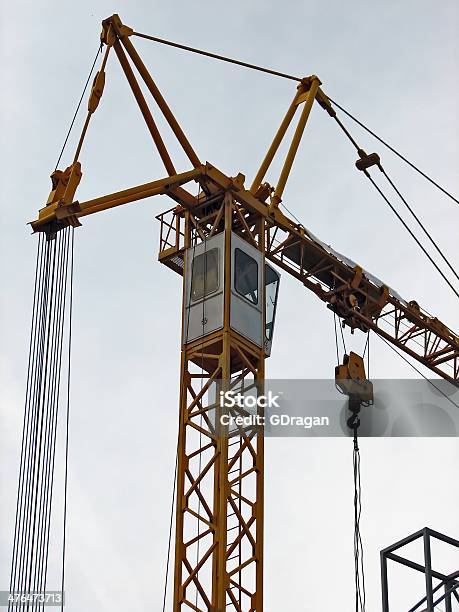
{"points": [[447, 590]]}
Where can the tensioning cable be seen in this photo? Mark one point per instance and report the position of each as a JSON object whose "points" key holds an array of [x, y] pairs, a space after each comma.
{"points": [[291, 77], [99, 50], [364, 163], [377, 162]]}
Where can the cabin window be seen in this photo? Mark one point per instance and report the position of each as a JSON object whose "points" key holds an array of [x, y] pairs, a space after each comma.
{"points": [[204, 279], [271, 289], [246, 276]]}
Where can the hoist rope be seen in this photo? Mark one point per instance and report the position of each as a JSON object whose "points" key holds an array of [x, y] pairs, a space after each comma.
{"points": [[99, 50], [353, 422], [291, 77], [336, 339], [367, 348], [36, 472], [360, 594], [342, 337]]}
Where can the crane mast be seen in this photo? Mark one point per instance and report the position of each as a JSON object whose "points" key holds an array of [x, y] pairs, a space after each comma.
{"points": [[220, 471], [219, 510]]}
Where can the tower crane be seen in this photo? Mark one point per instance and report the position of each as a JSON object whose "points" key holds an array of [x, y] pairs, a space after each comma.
{"points": [[228, 243]]}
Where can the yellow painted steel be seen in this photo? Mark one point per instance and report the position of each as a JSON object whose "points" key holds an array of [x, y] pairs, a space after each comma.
{"points": [[58, 210], [314, 86], [227, 568], [148, 117], [257, 181]]}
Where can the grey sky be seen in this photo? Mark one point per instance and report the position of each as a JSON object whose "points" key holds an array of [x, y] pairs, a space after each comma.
{"points": [[394, 64]]}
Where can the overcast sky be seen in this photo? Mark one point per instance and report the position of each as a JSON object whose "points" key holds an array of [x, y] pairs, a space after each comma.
{"points": [[394, 64]]}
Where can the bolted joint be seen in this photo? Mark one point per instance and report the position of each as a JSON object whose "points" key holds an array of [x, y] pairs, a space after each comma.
{"points": [[263, 192], [64, 184], [238, 181], [113, 28], [60, 208], [108, 34], [275, 200], [305, 86], [306, 82]]}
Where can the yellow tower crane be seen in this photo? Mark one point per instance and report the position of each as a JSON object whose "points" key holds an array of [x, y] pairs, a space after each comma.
{"points": [[220, 242]]}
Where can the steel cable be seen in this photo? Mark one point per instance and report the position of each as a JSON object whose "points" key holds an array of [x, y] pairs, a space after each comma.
{"points": [[418, 371], [38, 449], [169, 541], [43, 467], [291, 77], [403, 199], [44, 475], [360, 594], [99, 50], [25, 553], [27, 412], [53, 412], [419, 222], [388, 146], [67, 422], [410, 231]]}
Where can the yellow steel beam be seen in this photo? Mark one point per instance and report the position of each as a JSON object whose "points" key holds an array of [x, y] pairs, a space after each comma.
{"points": [[227, 487], [375, 298], [56, 212], [310, 97], [149, 82], [144, 108], [172, 187], [257, 181]]}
